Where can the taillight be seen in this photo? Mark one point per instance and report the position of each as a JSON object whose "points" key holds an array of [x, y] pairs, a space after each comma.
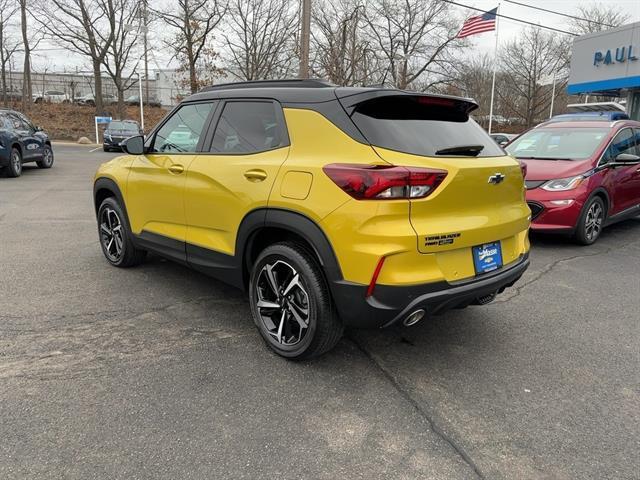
{"points": [[379, 182]]}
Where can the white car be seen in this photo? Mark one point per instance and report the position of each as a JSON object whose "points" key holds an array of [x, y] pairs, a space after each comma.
{"points": [[51, 96]]}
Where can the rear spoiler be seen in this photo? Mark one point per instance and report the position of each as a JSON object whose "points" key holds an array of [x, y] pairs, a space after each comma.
{"points": [[350, 99]]}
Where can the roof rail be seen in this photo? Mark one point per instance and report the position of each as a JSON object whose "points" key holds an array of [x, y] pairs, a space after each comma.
{"points": [[285, 83]]}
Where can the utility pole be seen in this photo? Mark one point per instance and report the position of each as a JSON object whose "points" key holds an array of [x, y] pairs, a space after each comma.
{"points": [[145, 19], [305, 34]]}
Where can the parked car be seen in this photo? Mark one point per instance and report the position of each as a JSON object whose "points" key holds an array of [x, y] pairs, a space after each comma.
{"points": [[13, 95], [332, 206], [502, 138], [90, 99], [51, 96], [21, 142], [135, 100], [581, 175], [117, 131]]}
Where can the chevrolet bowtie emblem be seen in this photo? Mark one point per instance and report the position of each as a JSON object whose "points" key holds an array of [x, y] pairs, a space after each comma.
{"points": [[496, 178]]}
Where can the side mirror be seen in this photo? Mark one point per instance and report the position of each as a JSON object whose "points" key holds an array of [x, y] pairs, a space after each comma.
{"points": [[627, 158], [134, 145]]}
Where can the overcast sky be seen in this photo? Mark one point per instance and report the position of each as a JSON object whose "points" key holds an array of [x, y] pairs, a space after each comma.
{"points": [[56, 60]]}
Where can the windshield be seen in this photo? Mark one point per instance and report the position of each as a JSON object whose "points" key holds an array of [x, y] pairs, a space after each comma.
{"points": [[558, 143], [423, 126], [126, 126]]}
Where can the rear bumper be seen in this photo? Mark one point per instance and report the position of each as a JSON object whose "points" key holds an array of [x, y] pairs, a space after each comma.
{"points": [[391, 304]]}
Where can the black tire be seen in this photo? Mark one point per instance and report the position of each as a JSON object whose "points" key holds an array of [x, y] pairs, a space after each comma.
{"points": [[47, 158], [591, 222], [116, 243], [288, 338], [14, 169]]}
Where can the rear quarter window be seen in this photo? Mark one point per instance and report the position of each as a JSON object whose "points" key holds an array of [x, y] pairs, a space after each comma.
{"points": [[422, 126]]}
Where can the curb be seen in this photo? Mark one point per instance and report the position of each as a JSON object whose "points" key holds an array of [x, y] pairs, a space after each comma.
{"points": [[76, 144]]}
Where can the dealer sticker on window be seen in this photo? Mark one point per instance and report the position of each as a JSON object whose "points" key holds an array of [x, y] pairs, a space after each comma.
{"points": [[487, 257]]}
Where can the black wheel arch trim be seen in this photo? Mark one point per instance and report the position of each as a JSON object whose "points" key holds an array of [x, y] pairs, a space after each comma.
{"points": [[293, 222], [104, 183]]}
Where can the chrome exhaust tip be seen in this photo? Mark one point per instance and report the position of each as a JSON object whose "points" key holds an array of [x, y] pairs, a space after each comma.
{"points": [[413, 318]]}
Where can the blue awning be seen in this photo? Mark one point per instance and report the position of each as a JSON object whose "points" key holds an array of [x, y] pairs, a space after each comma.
{"points": [[607, 87]]}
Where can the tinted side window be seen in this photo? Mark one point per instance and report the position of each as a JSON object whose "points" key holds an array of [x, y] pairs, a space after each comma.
{"points": [[5, 122], [623, 142], [248, 127], [17, 122], [26, 122], [181, 133]]}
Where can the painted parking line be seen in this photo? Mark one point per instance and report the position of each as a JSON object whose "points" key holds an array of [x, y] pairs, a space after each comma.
{"points": [[95, 149]]}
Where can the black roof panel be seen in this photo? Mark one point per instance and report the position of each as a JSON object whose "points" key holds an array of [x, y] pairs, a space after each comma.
{"points": [[304, 91]]}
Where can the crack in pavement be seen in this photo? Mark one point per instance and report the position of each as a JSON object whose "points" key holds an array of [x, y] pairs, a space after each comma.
{"points": [[124, 311], [429, 417], [545, 271]]}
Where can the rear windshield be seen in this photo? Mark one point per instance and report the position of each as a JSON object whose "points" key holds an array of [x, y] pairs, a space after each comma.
{"points": [[568, 143], [126, 126], [427, 126]]}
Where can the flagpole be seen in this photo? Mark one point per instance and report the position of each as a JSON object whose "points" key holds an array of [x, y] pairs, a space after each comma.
{"points": [[495, 63]]}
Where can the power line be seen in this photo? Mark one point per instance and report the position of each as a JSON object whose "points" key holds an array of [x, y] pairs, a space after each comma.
{"points": [[559, 13], [511, 18]]}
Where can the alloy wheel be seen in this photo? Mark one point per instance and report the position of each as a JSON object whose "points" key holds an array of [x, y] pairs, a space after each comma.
{"points": [[48, 157], [593, 221], [111, 234], [17, 162], [283, 303]]}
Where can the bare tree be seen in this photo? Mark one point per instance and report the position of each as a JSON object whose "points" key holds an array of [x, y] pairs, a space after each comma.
{"points": [[415, 38], [194, 22], [342, 54], [27, 92], [8, 46], [528, 62], [598, 17], [121, 60], [82, 26], [474, 81], [261, 39]]}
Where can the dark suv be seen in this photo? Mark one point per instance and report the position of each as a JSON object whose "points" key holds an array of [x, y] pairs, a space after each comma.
{"points": [[21, 142], [117, 131]]}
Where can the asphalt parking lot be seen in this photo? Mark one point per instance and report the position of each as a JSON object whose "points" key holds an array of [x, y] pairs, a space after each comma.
{"points": [[158, 371]]}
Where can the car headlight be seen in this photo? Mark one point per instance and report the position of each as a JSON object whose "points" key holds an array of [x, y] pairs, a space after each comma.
{"points": [[107, 136], [562, 184]]}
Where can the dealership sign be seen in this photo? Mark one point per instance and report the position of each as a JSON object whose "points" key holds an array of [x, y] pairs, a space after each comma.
{"points": [[606, 62], [622, 54]]}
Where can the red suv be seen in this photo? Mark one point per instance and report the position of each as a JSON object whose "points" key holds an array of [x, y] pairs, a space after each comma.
{"points": [[581, 175]]}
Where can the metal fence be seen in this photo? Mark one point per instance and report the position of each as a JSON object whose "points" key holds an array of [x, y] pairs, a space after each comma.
{"points": [[75, 85]]}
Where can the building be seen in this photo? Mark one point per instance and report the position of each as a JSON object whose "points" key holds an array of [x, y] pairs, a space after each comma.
{"points": [[608, 64]]}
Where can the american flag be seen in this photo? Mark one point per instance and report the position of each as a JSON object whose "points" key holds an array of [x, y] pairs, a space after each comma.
{"points": [[478, 24]]}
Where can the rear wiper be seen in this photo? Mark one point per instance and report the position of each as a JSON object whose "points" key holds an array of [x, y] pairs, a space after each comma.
{"points": [[466, 150]]}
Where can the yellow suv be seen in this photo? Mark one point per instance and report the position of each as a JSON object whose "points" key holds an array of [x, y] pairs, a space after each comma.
{"points": [[331, 206]]}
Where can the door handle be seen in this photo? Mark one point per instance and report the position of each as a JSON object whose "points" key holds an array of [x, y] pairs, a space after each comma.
{"points": [[176, 168], [256, 175]]}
